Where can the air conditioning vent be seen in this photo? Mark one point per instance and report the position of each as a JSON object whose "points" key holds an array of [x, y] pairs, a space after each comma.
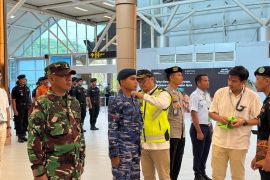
{"points": [[224, 56], [183, 58], [167, 59], [204, 57]]}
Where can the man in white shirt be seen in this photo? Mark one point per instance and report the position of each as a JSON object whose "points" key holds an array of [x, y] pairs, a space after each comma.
{"points": [[230, 143], [4, 122], [201, 127], [156, 132]]}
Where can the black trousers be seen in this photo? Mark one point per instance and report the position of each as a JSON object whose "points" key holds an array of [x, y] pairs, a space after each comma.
{"points": [[21, 121], [83, 114], [200, 148], [94, 114], [264, 175], [176, 154]]}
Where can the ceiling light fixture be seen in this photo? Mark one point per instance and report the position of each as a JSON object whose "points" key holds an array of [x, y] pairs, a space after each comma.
{"points": [[108, 17], [81, 9], [12, 16], [108, 4]]}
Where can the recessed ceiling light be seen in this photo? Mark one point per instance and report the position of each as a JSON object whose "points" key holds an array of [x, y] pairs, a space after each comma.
{"points": [[81, 9], [12, 16], [108, 4], [108, 17]]}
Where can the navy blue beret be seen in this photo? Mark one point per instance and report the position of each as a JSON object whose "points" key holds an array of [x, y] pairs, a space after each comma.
{"points": [[263, 71], [124, 73], [21, 76]]}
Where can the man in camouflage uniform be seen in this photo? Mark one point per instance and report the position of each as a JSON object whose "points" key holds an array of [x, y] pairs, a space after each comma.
{"points": [[125, 125], [56, 146]]}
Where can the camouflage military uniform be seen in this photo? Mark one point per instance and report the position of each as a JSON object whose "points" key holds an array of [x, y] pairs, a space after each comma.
{"points": [[125, 125], [56, 143]]}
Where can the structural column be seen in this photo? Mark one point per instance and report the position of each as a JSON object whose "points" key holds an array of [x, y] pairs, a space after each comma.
{"points": [[3, 44], [126, 33]]}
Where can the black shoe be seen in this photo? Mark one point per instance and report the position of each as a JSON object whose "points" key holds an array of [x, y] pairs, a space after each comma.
{"points": [[206, 177], [199, 177], [24, 138], [20, 140], [94, 128], [84, 130]]}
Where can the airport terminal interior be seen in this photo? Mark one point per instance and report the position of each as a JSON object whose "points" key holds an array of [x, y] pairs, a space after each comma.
{"points": [[98, 38]]}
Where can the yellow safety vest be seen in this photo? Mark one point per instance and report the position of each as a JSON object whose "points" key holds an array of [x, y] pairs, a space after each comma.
{"points": [[156, 125]]}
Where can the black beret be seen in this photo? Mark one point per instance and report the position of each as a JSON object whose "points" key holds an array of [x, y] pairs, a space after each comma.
{"points": [[42, 78], [93, 80], [173, 69], [21, 76], [74, 79], [125, 73], [143, 73], [78, 79], [59, 68], [263, 71]]}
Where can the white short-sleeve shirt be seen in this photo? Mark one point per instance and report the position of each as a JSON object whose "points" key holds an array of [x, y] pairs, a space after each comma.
{"points": [[4, 104], [200, 102], [224, 104]]}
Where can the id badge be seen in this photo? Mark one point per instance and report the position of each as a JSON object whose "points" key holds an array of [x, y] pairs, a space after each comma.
{"points": [[176, 111]]}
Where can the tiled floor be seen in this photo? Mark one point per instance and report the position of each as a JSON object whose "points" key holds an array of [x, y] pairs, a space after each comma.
{"points": [[97, 167]]}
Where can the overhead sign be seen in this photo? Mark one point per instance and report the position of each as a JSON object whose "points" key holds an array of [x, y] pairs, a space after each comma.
{"points": [[102, 55]]}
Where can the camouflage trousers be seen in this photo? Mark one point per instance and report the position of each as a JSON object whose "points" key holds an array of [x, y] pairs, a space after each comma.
{"points": [[129, 167]]}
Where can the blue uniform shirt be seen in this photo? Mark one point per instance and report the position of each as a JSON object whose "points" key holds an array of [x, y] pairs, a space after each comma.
{"points": [[125, 124]]}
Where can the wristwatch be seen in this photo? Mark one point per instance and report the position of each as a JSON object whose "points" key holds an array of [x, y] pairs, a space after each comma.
{"points": [[245, 123]]}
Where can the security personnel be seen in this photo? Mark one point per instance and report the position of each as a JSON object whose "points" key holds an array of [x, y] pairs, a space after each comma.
{"points": [[74, 84], [176, 119], [155, 102], [94, 103], [80, 94], [21, 103], [43, 88], [56, 146], [124, 132], [263, 85]]}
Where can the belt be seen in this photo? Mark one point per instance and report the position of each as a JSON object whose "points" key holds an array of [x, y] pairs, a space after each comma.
{"points": [[204, 125]]}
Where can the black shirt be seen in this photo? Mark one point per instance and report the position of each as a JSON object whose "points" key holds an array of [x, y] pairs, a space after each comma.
{"points": [[93, 93], [80, 94], [22, 95], [264, 120]]}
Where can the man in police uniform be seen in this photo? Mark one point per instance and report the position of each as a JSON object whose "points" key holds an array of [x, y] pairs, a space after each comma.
{"points": [[156, 132], [176, 119], [263, 85], [94, 103], [21, 103], [56, 146], [125, 125], [80, 94], [73, 87]]}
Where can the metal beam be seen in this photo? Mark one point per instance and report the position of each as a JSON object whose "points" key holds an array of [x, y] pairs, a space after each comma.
{"points": [[37, 18], [168, 5], [149, 22], [31, 8], [91, 16], [170, 19], [249, 12], [109, 43], [29, 35], [180, 21], [15, 8], [67, 4], [21, 27], [64, 34], [104, 33]]}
